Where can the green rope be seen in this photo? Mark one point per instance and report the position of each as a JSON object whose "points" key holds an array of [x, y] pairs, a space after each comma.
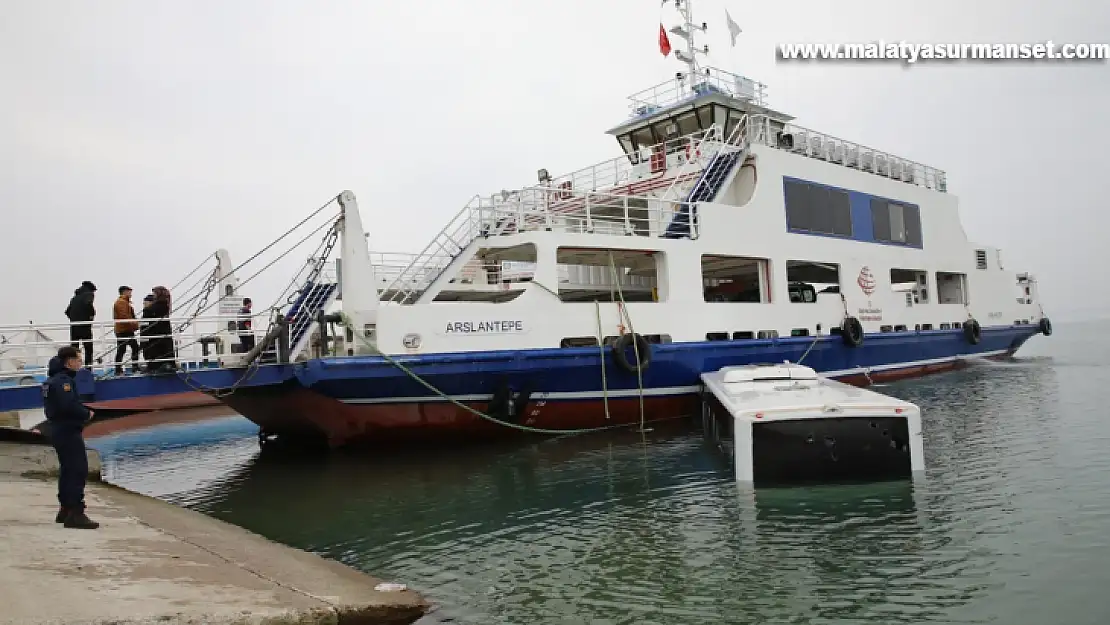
{"points": [[601, 355], [632, 330]]}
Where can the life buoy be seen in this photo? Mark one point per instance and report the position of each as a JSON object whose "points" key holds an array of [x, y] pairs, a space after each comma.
{"points": [[1045, 326], [621, 348], [972, 332], [696, 152], [852, 332]]}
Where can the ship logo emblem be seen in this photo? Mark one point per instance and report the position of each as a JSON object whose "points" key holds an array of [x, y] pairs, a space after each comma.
{"points": [[866, 281]]}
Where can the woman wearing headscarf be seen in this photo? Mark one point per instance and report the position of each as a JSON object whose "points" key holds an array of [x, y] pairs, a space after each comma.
{"points": [[160, 332]]}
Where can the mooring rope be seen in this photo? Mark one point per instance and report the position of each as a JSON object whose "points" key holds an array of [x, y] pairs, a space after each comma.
{"points": [[478, 413], [632, 330], [601, 355]]}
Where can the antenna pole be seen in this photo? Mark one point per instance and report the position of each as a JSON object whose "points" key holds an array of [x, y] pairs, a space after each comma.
{"points": [[687, 16], [687, 31]]}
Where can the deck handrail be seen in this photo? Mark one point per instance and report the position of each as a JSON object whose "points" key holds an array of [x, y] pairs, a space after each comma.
{"points": [[30, 358]]}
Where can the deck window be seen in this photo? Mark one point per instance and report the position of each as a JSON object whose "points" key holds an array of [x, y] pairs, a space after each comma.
{"points": [[592, 274], [951, 288], [911, 281], [735, 279], [817, 209], [896, 223], [806, 279]]}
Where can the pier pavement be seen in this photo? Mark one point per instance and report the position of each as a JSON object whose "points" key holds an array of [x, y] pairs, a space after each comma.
{"points": [[152, 562]]}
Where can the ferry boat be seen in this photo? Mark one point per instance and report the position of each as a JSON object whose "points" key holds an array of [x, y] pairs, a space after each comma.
{"points": [[722, 234]]}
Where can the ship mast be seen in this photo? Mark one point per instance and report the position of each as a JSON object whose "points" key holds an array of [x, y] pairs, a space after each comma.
{"points": [[687, 30]]}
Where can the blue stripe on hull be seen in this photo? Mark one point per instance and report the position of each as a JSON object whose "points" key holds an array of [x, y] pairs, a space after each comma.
{"points": [[578, 370]]}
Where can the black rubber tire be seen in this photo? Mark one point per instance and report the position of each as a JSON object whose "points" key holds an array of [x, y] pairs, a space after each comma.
{"points": [[851, 331], [972, 332], [1045, 326], [620, 352]]}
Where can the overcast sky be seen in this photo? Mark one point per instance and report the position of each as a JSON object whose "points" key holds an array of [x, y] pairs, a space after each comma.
{"points": [[137, 136]]}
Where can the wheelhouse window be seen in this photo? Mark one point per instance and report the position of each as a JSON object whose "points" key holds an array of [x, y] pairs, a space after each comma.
{"points": [[817, 209], [893, 222]]}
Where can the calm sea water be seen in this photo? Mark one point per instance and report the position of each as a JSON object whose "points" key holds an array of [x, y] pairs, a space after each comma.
{"points": [[1012, 525]]}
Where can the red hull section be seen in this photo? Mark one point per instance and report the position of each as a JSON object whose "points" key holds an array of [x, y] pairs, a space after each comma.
{"points": [[107, 427], [300, 412], [150, 403], [295, 413]]}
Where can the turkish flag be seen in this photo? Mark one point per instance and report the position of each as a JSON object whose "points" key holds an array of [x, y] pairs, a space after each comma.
{"points": [[664, 42]]}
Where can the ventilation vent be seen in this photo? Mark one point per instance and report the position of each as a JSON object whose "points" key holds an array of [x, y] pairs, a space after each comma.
{"points": [[981, 259]]}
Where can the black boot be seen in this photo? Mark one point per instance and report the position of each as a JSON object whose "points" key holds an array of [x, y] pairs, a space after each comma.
{"points": [[78, 520], [61, 516]]}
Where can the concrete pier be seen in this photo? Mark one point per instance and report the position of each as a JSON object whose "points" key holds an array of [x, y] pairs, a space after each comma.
{"points": [[152, 562]]}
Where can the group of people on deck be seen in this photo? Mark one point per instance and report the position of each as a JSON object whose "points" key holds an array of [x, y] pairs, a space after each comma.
{"points": [[150, 335]]}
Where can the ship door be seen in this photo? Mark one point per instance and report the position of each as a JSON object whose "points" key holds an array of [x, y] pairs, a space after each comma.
{"points": [[658, 159]]}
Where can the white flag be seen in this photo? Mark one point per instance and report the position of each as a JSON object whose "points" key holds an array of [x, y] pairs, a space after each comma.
{"points": [[733, 28]]}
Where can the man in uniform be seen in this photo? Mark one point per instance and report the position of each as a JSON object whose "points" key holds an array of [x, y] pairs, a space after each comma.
{"points": [[67, 417]]}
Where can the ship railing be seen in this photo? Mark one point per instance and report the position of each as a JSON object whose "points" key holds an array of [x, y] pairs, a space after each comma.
{"points": [[387, 266], [642, 163], [486, 215], [712, 80], [712, 143], [426, 266], [706, 147], [573, 211], [814, 144], [198, 345], [539, 208]]}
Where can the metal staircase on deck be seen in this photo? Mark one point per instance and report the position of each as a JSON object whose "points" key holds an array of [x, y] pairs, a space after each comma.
{"points": [[305, 311], [441, 255], [302, 315], [704, 190]]}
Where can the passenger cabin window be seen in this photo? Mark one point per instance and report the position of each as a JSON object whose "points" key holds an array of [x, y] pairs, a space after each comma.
{"points": [[594, 274], [806, 279], [817, 209], [912, 282], [735, 279], [896, 223]]}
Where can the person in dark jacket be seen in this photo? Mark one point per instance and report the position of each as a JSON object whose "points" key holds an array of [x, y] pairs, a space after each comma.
{"points": [[80, 313], [246, 329], [161, 357], [67, 417], [144, 329]]}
